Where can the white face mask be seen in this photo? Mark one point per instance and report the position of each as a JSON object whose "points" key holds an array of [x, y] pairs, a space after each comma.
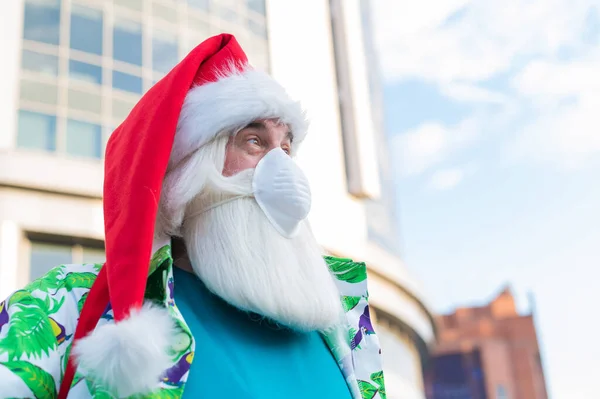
{"points": [[281, 190]]}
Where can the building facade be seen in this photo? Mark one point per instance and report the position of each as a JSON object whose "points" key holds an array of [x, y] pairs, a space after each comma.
{"points": [[487, 352], [73, 69]]}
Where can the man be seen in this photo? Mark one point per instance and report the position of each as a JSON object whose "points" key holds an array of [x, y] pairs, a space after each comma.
{"points": [[214, 285]]}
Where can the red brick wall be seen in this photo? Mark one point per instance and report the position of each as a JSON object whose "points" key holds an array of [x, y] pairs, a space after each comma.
{"points": [[507, 341]]}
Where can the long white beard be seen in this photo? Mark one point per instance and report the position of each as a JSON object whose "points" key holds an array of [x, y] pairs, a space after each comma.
{"points": [[240, 257]]}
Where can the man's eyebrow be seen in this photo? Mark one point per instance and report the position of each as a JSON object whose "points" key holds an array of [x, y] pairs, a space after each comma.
{"points": [[257, 125], [260, 125]]}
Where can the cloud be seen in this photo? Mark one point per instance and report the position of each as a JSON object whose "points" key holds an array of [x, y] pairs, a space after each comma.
{"points": [[569, 137], [459, 40], [566, 97], [422, 147], [547, 51], [540, 79], [446, 179], [466, 92], [429, 144]]}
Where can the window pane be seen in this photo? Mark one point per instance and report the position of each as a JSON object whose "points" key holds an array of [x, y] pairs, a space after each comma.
{"points": [[84, 139], [47, 256], [131, 4], [227, 14], [257, 5], [42, 63], [86, 29], [127, 82], [257, 28], [89, 100], [85, 72], [168, 13], [121, 108], [200, 4], [36, 131], [164, 51], [501, 392], [42, 20], [199, 29], [127, 42], [40, 92], [93, 255]]}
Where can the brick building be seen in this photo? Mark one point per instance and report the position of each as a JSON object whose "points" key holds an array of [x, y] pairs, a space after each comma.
{"points": [[486, 352]]}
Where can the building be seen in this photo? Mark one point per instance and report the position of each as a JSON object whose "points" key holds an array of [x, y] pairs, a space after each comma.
{"points": [[487, 352], [73, 69]]}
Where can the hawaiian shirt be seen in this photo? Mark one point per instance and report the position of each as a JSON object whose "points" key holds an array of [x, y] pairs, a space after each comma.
{"points": [[37, 325]]}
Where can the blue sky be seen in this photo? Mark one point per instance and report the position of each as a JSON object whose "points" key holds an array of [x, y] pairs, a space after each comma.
{"points": [[493, 113]]}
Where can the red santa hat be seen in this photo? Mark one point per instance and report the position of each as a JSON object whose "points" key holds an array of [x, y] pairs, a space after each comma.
{"points": [[211, 92]]}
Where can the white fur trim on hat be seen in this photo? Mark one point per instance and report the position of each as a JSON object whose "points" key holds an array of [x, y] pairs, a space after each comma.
{"points": [[128, 357], [235, 100]]}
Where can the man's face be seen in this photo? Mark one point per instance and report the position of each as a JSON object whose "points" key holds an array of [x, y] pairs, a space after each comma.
{"points": [[238, 254], [247, 148]]}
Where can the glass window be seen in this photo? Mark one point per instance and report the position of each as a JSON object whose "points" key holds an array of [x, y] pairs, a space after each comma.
{"points": [[257, 28], [200, 4], [164, 51], [39, 92], [127, 82], [85, 72], [43, 63], [131, 4], [36, 131], [87, 99], [84, 139], [127, 41], [199, 29], [501, 392], [93, 255], [167, 13], [45, 257], [121, 108], [402, 359], [42, 21], [257, 5], [86, 29], [228, 14]]}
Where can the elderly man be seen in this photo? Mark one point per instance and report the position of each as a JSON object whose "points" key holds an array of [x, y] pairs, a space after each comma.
{"points": [[214, 285]]}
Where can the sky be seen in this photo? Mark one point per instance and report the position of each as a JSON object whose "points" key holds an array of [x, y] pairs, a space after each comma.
{"points": [[493, 115]]}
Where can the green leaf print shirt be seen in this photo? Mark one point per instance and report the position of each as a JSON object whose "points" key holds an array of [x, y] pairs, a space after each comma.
{"points": [[37, 324]]}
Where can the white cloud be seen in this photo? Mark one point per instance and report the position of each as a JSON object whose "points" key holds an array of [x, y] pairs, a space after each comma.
{"points": [[485, 39], [459, 43], [568, 137], [558, 79], [470, 93], [418, 149], [446, 179], [566, 96], [429, 144]]}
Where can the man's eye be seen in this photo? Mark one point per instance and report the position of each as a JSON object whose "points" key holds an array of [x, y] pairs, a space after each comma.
{"points": [[253, 141], [286, 150]]}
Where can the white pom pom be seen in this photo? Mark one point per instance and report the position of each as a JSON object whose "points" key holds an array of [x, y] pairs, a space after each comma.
{"points": [[128, 357]]}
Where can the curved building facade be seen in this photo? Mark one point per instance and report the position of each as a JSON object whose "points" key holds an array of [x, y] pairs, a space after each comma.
{"points": [[73, 69]]}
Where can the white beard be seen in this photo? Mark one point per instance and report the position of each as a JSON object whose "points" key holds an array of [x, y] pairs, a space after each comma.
{"points": [[240, 257]]}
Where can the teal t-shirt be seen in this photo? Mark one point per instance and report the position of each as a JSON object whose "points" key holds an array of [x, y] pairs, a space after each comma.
{"points": [[239, 356]]}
